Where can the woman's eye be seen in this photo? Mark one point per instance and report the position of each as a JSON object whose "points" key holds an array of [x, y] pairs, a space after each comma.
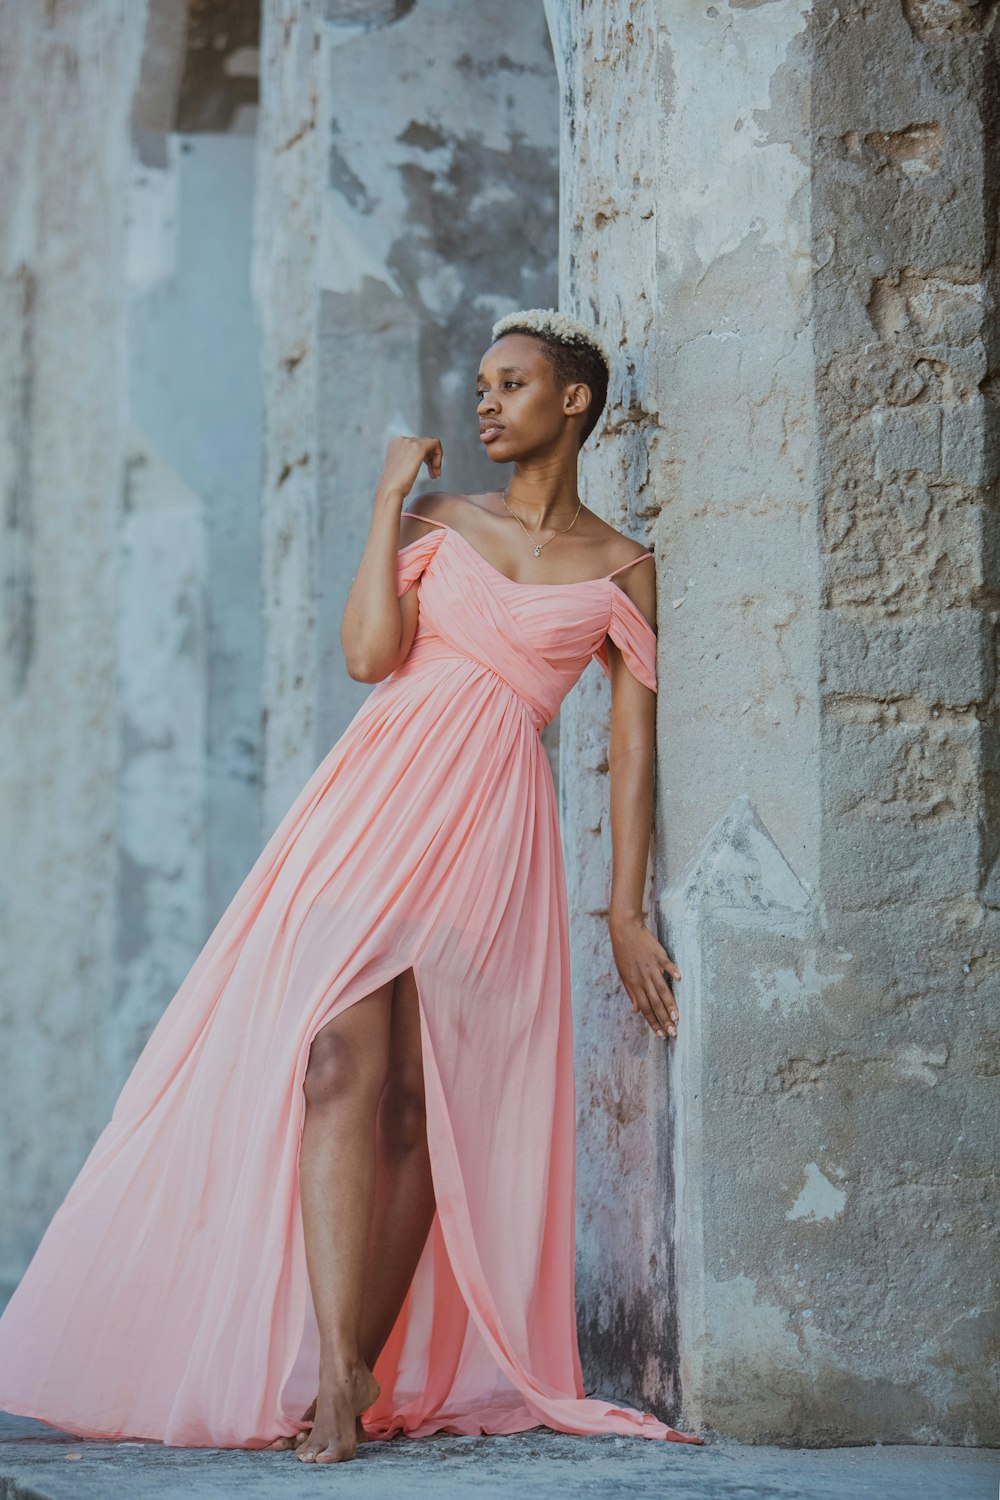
{"points": [[481, 394]]}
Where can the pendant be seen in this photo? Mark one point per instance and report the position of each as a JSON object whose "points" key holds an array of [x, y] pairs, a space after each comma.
{"points": [[538, 551]]}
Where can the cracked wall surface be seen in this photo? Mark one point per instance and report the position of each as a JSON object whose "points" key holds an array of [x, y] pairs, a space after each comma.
{"points": [[904, 220], [410, 154], [66, 75], [132, 643], [783, 218], [240, 247]]}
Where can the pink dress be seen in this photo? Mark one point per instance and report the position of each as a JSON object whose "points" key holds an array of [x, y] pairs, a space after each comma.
{"points": [[169, 1297]]}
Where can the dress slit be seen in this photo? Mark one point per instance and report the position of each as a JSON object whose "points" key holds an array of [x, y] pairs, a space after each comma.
{"points": [[303, 1370]]}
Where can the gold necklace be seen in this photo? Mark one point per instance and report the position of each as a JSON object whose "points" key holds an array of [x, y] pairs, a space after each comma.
{"points": [[538, 545]]}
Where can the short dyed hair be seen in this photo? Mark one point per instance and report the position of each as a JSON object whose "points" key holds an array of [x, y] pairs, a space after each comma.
{"points": [[574, 352]]}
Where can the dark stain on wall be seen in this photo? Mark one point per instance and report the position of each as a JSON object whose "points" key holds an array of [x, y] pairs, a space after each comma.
{"points": [[367, 13], [211, 94], [17, 298], [344, 180]]}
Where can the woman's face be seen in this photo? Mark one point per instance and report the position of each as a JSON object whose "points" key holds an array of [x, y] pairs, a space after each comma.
{"points": [[521, 407]]}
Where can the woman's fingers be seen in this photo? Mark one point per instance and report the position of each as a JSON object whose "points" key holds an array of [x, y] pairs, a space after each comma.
{"points": [[667, 996], [660, 1006], [643, 976], [663, 987], [648, 1003], [655, 1001]]}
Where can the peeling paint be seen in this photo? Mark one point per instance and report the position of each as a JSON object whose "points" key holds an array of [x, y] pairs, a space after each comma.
{"points": [[819, 1197], [795, 278]]}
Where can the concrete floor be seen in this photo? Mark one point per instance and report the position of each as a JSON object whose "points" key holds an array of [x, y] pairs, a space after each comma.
{"points": [[37, 1463]]}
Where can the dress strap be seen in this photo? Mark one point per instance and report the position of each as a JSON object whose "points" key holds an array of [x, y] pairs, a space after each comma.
{"points": [[629, 564], [432, 519]]}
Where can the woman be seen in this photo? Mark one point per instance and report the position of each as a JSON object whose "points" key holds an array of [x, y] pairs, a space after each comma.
{"points": [[344, 1164]]}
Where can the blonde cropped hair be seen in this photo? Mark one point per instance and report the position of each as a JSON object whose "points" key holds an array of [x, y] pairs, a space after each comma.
{"points": [[558, 325], [575, 352]]}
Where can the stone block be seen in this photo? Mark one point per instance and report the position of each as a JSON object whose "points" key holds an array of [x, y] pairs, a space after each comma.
{"points": [[907, 440], [902, 771], [946, 659], [970, 452], [880, 863]]}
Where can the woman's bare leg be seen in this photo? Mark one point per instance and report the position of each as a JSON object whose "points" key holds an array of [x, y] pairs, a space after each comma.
{"points": [[403, 1206], [345, 1076]]}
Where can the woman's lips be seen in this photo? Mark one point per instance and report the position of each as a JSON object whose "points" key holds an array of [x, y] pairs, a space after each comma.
{"points": [[488, 433]]}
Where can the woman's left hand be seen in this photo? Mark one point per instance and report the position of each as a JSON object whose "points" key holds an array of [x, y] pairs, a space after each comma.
{"points": [[641, 961]]}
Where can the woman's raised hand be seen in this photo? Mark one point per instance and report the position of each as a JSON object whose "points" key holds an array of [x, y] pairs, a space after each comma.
{"points": [[403, 458]]}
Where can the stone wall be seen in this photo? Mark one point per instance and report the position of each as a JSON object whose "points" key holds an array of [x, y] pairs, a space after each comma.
{"points": [[190, 629], [785, 219], [409, 171], [898, 1084], [238, 251], [67, 73]]}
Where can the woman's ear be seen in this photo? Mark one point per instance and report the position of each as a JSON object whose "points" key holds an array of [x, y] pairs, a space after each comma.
{"points": [[578, 397]]}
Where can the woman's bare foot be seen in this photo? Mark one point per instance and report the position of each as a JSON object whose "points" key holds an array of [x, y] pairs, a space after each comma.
{"points": [[282, 1444], [336, 1416]]}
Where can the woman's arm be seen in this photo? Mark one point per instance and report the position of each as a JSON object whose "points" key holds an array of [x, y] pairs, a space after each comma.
{"points": [[639, 956], [377, 628]]}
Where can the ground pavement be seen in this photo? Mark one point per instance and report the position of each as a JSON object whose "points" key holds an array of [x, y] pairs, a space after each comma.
{"points": [[37, 1463]]}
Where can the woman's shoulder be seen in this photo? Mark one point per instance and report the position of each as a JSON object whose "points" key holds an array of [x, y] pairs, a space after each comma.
{"points": [[611, 550], [447, 507], [442, 505], [620, 550], [432, 505], [638, 582]]}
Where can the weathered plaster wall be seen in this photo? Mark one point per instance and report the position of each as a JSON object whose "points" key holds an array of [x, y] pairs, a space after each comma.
{"points": [[608, 246], [132, 644], [786, 215], [190, 823], [66, 77], [286, 297], [232, 264], [898, 1080], [409, 170]]}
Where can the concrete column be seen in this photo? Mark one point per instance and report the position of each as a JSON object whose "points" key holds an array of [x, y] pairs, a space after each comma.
{"points": [[407, 182], [129, 462], [784, 218], [67, 72], [162, 788], [189, 624], [195, 398], [626, 1295], [286, 293]]}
